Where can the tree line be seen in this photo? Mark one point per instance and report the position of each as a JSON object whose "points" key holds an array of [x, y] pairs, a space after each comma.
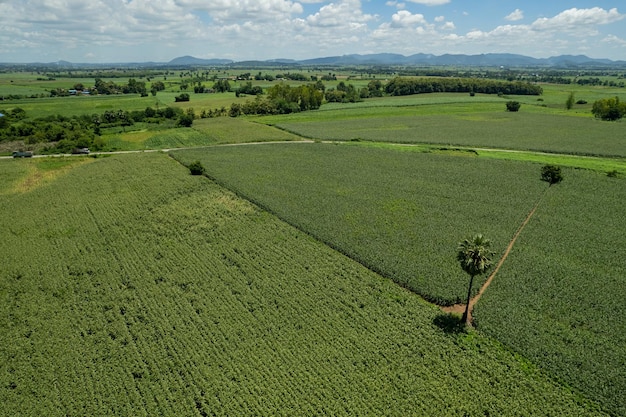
{"points": [[63, 133], [400, 86]]}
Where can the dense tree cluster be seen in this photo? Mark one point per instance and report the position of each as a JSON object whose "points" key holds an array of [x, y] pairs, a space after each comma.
{"points": [[406, 86], [282, 99], [221, 86], [248, 88], [62, 133], [296, 76], [609, 109], [344, 93], [109, 87]]}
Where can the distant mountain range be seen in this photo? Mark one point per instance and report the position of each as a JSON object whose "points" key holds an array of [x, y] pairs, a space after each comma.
{"points": [[383, 59], [482, 60]]}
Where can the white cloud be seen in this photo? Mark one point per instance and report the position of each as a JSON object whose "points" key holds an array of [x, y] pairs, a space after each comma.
{"points": [[574, 19], [515, 16], [448, 26], [398, 5], [346, 12], [614, 40], [430, 2], [230, 10], [121, 30], [404, 18]]}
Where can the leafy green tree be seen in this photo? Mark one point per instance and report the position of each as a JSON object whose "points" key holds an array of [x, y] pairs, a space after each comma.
{"points": [[221, 86], [158, 86], [609, 109], [513, 105], [235, 110], [474, 256], [185, 120], [196, 168], [182, 97], [551, 174]]}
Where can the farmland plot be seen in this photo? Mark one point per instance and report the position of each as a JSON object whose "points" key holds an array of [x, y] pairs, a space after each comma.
{"points": [[399, 213], [463, 125], [560, 297], [129, 287]]}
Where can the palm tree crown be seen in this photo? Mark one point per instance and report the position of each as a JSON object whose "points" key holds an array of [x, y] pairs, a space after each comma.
{"points": [[474, 255]]}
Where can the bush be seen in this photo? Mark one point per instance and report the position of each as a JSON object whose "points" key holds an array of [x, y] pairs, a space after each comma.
{"points": [[182, 97], [185, 120], [551, 174], [513, 105], [196, 168]]}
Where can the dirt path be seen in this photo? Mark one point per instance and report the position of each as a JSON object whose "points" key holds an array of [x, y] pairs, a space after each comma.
{"points": [[460, 308]]}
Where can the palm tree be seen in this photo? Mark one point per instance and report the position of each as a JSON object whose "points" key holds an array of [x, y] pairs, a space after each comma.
{"points": [[475, 258]]}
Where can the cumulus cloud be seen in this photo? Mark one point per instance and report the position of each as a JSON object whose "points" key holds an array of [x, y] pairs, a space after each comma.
{"points": [[573, 19], [404, 18], [614, 40], [340, 14], [430, 2], [231, 10], [515, 16], [250, 29]]}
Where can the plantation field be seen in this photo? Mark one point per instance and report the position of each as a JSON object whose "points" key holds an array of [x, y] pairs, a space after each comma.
{"points": [[129, 287], [559, 299], [204, 132], [401, 213], [463, 124], [391, 210]]}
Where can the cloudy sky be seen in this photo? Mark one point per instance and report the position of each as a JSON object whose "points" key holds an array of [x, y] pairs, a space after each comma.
{"points": [[160, 30]]}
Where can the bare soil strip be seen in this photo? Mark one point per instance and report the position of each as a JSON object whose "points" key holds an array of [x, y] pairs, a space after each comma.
{"points": [[460, 308]]}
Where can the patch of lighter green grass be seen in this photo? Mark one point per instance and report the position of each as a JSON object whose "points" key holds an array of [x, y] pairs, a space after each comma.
{"points": [[592, 163]]}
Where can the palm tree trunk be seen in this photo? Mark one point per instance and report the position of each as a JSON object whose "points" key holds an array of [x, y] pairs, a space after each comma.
{"points": [[465, 318]]}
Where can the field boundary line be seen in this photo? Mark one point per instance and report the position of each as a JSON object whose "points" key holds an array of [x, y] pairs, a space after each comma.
{"points": [[460, 308]]}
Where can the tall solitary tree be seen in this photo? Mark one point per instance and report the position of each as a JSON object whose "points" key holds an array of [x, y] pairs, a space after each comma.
{"points": [[474, 255]]}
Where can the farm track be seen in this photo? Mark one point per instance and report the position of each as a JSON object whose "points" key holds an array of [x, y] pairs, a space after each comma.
{"points": [[460, 308]]}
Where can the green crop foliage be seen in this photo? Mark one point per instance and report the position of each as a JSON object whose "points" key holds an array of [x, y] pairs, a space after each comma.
{"points": [[400, 213], [560, 298], [464, 127], [129, 287]]}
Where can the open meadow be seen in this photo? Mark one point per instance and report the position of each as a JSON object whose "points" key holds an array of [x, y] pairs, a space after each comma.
{"points": [[305, 277], [130, 287]]}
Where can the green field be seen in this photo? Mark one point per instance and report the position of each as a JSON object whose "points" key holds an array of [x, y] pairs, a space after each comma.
{"points": [[560, 298], [294, 278], [133, 288], [462, 124], [391, 210], [401, 213]]}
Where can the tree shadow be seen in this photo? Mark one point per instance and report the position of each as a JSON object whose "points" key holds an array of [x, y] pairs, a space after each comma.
{"points": [[450, 323]]}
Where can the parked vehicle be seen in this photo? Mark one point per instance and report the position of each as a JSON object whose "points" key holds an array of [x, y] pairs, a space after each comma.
{"points": [[80, 151], [22, 154]]}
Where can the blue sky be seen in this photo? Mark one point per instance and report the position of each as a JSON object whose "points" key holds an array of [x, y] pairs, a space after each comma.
{"points": [[160, 30]]}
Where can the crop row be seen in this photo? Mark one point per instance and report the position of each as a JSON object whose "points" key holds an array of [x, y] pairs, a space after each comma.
{"points": [[159, 293], [464, 124], [400, 213], [560, 297]]}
